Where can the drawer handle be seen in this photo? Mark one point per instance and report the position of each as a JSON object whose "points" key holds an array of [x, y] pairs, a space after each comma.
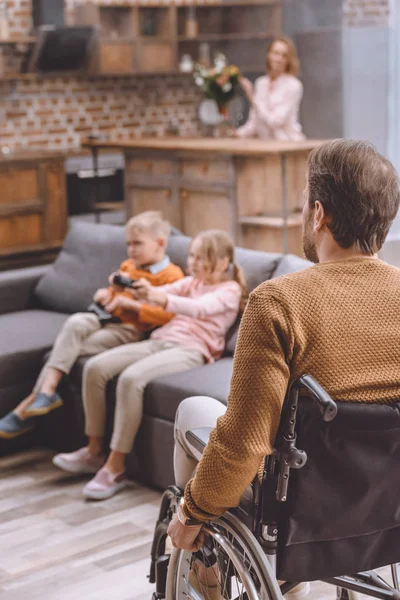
{"points": [[205, 169], [167, 193], [184, 195]]}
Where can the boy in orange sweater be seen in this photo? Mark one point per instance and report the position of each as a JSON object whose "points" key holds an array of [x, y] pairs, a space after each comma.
{"points": [[85, 334]]}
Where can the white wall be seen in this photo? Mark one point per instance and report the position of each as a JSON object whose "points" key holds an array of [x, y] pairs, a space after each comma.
{"points": [[394, 105]]}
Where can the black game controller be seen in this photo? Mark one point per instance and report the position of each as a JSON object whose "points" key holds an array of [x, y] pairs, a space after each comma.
{"points": [[102, 314], [124, 281]]}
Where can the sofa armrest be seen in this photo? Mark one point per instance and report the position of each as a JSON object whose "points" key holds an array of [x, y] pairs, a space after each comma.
{"points": [[17, 286]]}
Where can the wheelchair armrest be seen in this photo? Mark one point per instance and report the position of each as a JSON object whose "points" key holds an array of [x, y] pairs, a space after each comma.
{"points": [[198, 438], [326, 405]]}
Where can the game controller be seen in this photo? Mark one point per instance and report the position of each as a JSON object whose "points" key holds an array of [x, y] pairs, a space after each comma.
{"points": [[124, 281], [102, 314]]}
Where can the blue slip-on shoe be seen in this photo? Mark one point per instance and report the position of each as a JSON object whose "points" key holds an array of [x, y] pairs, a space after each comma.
{"points": [[11, 426], [43, 404]]}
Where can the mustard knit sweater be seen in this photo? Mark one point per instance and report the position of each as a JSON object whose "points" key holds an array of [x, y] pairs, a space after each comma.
{"points": [[338, 321]]}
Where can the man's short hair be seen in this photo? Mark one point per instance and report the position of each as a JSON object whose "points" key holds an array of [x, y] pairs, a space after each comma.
{"points": [[151, 222], [359, 190]]}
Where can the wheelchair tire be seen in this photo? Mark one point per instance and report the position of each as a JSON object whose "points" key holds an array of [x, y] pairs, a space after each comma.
{"points": [[242, 565]]}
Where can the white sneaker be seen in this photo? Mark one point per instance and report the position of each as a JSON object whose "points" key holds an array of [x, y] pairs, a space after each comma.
{"points": [[300, 591], [79, 462]]}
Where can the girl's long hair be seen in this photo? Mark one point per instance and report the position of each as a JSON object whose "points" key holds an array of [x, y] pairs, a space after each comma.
{"points": [[217, 244]]}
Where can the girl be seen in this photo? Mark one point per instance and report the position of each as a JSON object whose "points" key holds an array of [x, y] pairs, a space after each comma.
{"points": [[206, 305]]}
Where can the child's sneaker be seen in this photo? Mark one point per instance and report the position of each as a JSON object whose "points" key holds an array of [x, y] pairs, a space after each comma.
{"points": [[43, 404], [11, 426], [105, 485], [79, 462]]}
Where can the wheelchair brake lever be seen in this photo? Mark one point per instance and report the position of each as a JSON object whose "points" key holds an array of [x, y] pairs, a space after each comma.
{"points": [[290, 458], [326, 405]]}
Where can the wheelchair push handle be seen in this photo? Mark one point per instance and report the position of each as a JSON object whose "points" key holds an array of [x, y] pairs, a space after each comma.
{"points": [[326, 405]]}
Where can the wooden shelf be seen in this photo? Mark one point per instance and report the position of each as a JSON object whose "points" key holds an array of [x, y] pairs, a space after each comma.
{"points": [[122, 49], [85, 75], [222, 37], [293, 220], [13, 40], [117, 40]]}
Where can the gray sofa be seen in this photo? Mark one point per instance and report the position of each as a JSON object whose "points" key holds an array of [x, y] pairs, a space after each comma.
{"points": [[35, 302]]}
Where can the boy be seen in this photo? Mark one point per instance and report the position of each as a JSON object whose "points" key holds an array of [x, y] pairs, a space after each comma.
{"points": [[84, 334]]}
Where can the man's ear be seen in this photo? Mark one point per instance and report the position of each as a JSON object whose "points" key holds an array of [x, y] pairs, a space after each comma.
{"points": [[320, 217]]}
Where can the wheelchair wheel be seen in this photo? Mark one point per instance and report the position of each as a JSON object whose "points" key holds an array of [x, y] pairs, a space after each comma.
{"points": [[239, 565]]}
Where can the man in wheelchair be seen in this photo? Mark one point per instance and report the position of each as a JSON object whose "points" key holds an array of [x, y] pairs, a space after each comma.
{"points": [[332, 507]]}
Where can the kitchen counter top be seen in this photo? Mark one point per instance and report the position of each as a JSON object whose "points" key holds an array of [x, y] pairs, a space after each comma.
{"points": [[231, 146]]}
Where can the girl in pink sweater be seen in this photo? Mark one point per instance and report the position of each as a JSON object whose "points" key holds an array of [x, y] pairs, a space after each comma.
{"points": [[205, 304]]}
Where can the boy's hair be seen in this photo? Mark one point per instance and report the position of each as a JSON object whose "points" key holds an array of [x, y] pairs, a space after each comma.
{"points": [[151, 222], [216, 244]]}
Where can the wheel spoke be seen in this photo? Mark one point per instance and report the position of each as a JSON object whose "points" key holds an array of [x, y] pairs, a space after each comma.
{"points": [[227, 560]]}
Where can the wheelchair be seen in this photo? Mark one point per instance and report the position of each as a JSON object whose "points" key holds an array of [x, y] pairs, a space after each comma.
{"points": [[329, 508]]}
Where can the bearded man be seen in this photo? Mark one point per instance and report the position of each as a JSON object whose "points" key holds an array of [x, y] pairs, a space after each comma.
{"points": [[338, 320]]}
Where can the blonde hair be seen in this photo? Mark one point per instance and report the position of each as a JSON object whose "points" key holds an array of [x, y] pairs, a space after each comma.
{"points": [[293, 63], [151, 222], [217, 244]]}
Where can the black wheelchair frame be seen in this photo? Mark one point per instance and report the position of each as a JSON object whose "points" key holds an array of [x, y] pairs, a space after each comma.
{"points": [[267, 495]]}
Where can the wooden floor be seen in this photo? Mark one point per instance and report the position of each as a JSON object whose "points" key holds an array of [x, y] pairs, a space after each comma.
{"points": [[56, 546]]}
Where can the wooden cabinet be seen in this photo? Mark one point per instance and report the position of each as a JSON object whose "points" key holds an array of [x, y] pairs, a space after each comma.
{"points": [[251, 188], [148, 197], [205, 209], [149, 36], [33, 208], [195, 192]]}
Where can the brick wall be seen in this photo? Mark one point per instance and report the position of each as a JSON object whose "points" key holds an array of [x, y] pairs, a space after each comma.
{"points": [[364, 13], [56, 113]]}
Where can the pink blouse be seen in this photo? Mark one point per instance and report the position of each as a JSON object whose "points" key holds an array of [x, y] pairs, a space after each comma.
{"points": [[274, 114], [204, 314]]}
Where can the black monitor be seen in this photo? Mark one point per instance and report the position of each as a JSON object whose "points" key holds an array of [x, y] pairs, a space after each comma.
{"points": [[62, 49]]}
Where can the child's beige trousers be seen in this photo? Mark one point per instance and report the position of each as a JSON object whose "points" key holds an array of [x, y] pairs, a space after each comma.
{"points": [[136, 364], [82, 335]]}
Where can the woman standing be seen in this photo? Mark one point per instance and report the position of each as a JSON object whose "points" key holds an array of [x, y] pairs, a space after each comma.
{"points": [[275, 98]]}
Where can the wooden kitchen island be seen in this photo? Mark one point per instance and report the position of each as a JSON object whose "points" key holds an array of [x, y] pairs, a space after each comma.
{"points": [[251, 188], [33, 207]]}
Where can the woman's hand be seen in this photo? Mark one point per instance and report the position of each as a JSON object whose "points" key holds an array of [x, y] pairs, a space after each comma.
{"points": [[248, 88], [102, 296], [120, 301]]}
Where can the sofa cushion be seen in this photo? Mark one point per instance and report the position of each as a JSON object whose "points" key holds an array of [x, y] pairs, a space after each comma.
{"points": [[177, 250], [290, 264], [25, 338], [164, 394], [232, 336], [90, 253], [257, 266]]}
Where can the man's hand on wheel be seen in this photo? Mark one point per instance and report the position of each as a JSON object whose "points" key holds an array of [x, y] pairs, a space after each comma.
{"points": [[185, 537]]}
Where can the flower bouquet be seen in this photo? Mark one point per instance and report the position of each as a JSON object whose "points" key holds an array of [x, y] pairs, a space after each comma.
{"points": [[219, 82]]}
